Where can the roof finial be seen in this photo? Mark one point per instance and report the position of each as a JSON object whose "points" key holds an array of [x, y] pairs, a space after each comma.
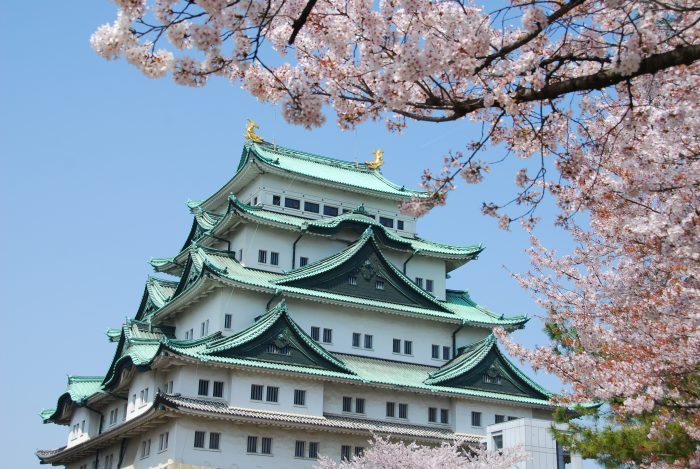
{"points": [[378, 159], [250, 134]]}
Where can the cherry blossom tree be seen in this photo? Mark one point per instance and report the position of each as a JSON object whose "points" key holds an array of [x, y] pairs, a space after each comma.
{"points": [[606, 92], [386, 454]]}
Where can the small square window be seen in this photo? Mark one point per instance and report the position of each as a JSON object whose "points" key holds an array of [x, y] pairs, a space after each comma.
{"points": [[272, 394], [432, 414], [266, 446], [303, 261], [352, 280], [500, 418], [419, 282], [428, 285], [313, 450], [403, 411], [359, 406], [397, 346], [379, 284], [368, 341], [407, 347], [199, 439], [327, 336], [203, 387], [359, 451], [444, 416], [262, 256], [512, 418], [356, 339], [311, 207], [315, 333], [347, 404], [388, 222], [476, 419], [345, 452], [299, 397], [399, 224], [228, 318], [390, 409], [446, 352], [299, 449], [214, 439], [274, 258], [276, 200], [256, 392], [436, 351], [218, 389], [330, 210], [292, 203], [255, 201], [252, 446]]}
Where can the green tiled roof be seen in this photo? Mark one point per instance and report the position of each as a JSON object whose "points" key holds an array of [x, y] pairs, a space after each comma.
{"points": [[461, 303], [325, 169], [223, 265], [207, 232], [78, 390]]}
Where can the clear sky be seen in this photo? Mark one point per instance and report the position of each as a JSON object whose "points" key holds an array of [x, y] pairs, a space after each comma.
{"points": [[96, 163]]}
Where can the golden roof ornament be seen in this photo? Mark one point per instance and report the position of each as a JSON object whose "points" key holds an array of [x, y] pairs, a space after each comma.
{"points": [[378, 159], [250, 134]]}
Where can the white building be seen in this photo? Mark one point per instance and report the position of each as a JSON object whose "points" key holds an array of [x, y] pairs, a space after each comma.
{"points": [[304, 314]]}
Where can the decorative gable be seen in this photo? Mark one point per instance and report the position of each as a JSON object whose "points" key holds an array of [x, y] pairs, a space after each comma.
{"points": [[275, 337], [362, 271]]}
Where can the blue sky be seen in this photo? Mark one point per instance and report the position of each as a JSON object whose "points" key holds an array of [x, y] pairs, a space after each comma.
{"points": [[96, 163]]}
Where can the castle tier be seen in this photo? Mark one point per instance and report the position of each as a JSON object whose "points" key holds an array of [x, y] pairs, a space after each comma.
{"points": [[304, 315]]}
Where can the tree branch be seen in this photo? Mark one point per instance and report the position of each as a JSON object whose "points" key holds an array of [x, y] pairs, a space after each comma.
{"points": [[299, 22]]}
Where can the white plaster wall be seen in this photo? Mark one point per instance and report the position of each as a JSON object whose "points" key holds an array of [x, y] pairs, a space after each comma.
{"points": [[141, 380], [242, 381], [535, 437], [376, 399], [383, 326], [232, 453], [428, 268], [92, 426], [186, 380], [469, 335], [464, 409]]}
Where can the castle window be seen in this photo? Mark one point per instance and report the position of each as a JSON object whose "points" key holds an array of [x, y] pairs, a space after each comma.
{"points": [[228, 318], [330, 211], [399, 224], [432, 414], [500, 418], [145, 449], [388, 222], [214, 439], [256, 392], [266, 446], [313, 450], [299, 397], [345, 452], [347, 404], [359, 406], [359, 451], [436, 351], [429, 285], [368, 341], [379, 284], [352, 280], [356, 339], [303, 261], [274, 258], [476, 419], [252, 446], [492, 376], [163, 441], [272, 394], [397, 346], [444, 415], [262, 256], [311, 207], [203, 387], [292, 203], [199, 439], [419, 282], [315, 333], [272, 348], [407, 347], [390, 409], [403, 411], [299, 449], [446, 352], [327, 336], [255, 200], [512, 418], [218, 389], [276, 200]]}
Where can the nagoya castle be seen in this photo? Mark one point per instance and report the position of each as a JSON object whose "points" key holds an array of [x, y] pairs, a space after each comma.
{"points": [[302, 315]]}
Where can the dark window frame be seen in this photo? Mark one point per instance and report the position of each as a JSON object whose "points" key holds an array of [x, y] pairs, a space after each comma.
{"points": [[290, 202], [312, 207]]}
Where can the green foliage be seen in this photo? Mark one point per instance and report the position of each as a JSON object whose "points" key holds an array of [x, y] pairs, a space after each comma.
{"points": [[640, 439]]}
